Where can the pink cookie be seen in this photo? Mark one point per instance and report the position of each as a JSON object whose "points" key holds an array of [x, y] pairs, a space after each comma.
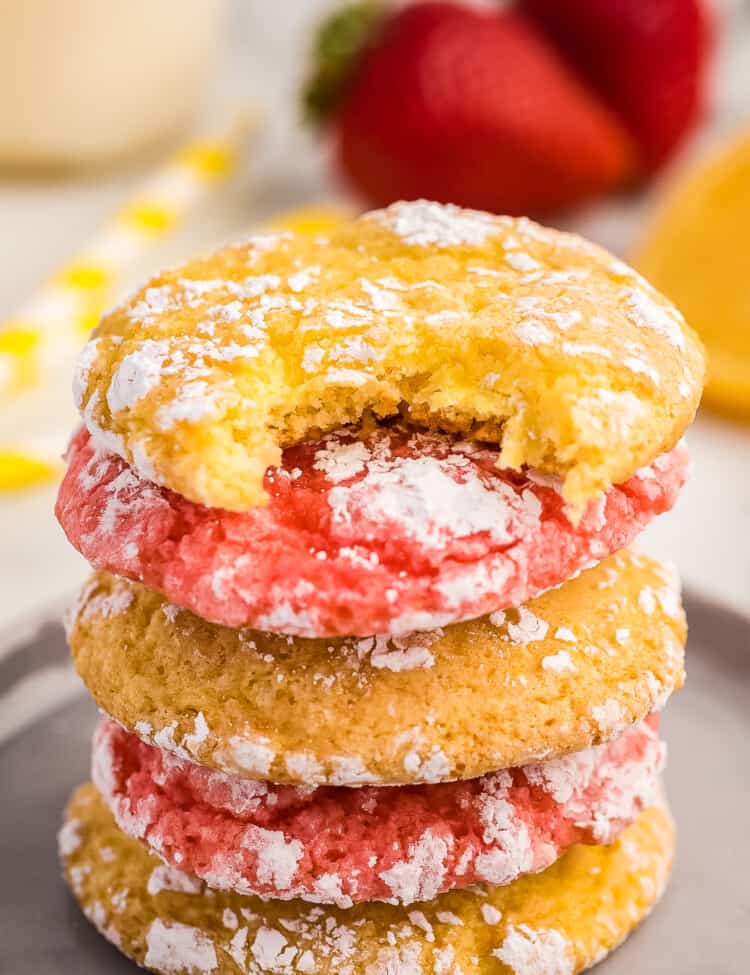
{"points": [[401, 844], [401, 531]]}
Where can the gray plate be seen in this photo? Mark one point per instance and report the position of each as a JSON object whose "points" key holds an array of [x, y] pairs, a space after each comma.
{"points": [[702, 926]]}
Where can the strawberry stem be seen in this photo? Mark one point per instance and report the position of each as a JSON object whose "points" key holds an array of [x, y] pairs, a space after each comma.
{"points": [[339, 41]]}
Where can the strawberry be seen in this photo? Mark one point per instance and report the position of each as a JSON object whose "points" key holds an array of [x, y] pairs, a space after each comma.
{"points": [[646, 58], [463, 105]]}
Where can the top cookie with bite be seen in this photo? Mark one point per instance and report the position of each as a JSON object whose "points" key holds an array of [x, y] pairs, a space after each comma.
{"points": [[494, 327]]}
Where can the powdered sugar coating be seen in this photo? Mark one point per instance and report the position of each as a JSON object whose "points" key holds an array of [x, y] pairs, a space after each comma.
{"points": [[179, 948], [166, 877], [540, 951], [423, 223], [342, 846], [392, 532], [68, 838]]}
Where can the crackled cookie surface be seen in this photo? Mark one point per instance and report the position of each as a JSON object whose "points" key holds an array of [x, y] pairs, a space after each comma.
{"points": [[572, 668], [555, 923], [384, 532], [342, 846], [486, 325]]}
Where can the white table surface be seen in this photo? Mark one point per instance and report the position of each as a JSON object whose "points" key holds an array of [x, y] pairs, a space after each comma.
{"points": [[42, 223]]}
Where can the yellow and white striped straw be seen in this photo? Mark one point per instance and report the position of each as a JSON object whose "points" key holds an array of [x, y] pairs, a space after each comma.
{"points": [[48, 331]]}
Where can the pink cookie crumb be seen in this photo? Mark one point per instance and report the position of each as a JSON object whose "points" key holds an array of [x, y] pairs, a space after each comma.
{"points": [[401, 844], [396, 532]]}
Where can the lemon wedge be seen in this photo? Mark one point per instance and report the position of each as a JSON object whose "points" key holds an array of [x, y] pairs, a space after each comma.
{"points": [[696, 252]]}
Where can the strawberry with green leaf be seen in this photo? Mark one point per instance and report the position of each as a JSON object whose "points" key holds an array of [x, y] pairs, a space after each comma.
{"points": [[457, 104], [476, 106]]}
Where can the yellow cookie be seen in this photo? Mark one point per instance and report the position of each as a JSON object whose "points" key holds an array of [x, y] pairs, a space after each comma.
{"points": [[571, 668], [555, 923], [487, 325]]}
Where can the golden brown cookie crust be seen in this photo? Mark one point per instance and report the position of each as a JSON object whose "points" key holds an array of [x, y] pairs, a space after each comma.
{"points": [[487, 325], [559, 922], [572, 668]]}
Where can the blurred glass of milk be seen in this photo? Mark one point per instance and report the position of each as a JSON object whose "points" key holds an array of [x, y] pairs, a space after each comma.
{"points": [[84, 82]]}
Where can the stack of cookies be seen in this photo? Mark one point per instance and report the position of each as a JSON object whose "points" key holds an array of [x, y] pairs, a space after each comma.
{"points": [[380, 679]]}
